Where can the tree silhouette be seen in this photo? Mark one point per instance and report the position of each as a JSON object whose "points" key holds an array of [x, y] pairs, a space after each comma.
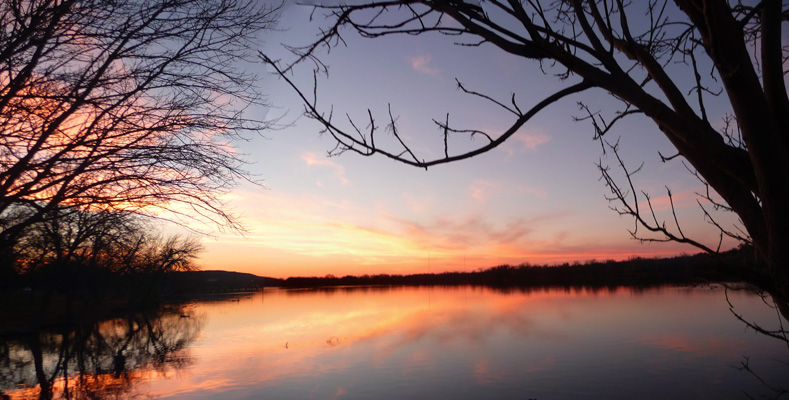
{"points": [[123, 105], [98, 359], [662, 59], [109, 241]]}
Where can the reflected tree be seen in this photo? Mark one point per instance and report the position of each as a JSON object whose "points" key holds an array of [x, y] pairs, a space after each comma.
{"points": [[99, 360], [776, 390], [771, 301]]}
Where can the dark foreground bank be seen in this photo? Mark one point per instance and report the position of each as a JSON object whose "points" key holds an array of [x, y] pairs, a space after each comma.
{"points": [[75, 296]]}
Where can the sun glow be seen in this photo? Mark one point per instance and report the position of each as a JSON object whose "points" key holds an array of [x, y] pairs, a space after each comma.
{"points": [[307, 237]]}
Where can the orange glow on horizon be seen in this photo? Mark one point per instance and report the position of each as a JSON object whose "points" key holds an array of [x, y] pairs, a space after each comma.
{"points": [[291, 235], [369, 253]]}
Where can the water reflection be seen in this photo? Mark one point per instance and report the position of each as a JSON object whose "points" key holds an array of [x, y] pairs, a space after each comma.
{"points": [[420, 342], [99, 360], [475, 342]]}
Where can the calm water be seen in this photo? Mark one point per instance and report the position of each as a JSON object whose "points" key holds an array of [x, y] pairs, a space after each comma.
{"points": [[429, 343]]}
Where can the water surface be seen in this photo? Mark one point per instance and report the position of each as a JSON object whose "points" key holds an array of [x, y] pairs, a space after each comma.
{"points": [[430, 342]]}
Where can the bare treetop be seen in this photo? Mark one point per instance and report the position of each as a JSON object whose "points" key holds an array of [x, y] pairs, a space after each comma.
{"points": [[125, 105]]}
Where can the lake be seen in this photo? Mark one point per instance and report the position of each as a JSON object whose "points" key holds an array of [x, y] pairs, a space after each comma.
{"points": [[416, 343]]}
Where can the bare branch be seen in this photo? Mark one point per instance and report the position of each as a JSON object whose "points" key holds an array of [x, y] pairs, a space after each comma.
{"points": [[631, 207], [359, 143], [125, 106], [780, 334], [652, 56]]}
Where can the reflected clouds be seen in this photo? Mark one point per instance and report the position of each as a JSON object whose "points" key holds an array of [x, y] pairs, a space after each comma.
{"points": [[341, 341], [430, 342]]}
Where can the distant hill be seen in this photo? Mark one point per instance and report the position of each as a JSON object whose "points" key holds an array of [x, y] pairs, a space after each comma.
{"points": [[216, 281]]}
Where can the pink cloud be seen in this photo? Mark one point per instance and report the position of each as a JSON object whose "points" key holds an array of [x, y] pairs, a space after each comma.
{"points": [[481, 190], [451, 234], [422, 65], [524, 141], [339, 171], [685, 198], [531, 141]]}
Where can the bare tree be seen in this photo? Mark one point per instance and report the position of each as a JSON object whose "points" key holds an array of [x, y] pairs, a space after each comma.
{"points": [[174, 253], [662, 59], [71, 236], [111, 241], [123, 105]]}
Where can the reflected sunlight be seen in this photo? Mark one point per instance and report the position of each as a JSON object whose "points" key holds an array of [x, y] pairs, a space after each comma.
{"points": [[431, 342], [317, 343]]}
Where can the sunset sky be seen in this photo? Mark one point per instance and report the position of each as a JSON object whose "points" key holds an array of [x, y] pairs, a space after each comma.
{"points": [[536, 199]]}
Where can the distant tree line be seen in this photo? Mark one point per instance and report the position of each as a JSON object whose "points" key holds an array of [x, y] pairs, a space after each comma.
{"points": [[637, 271]]}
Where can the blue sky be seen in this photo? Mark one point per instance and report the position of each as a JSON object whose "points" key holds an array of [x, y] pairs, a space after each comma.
{"points": [[538, 198]]}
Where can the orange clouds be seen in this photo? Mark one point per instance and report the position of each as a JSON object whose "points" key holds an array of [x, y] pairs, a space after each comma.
{"points": [[308, 236], [338, 170]]}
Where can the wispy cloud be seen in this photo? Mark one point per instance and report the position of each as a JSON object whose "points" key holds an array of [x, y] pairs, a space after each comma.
{"points": [[418, 203], [311, 160], [531, 140], [299, 234], [524, 141], [482, 190], [470, 232], [683, 199], [422, 64]]}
